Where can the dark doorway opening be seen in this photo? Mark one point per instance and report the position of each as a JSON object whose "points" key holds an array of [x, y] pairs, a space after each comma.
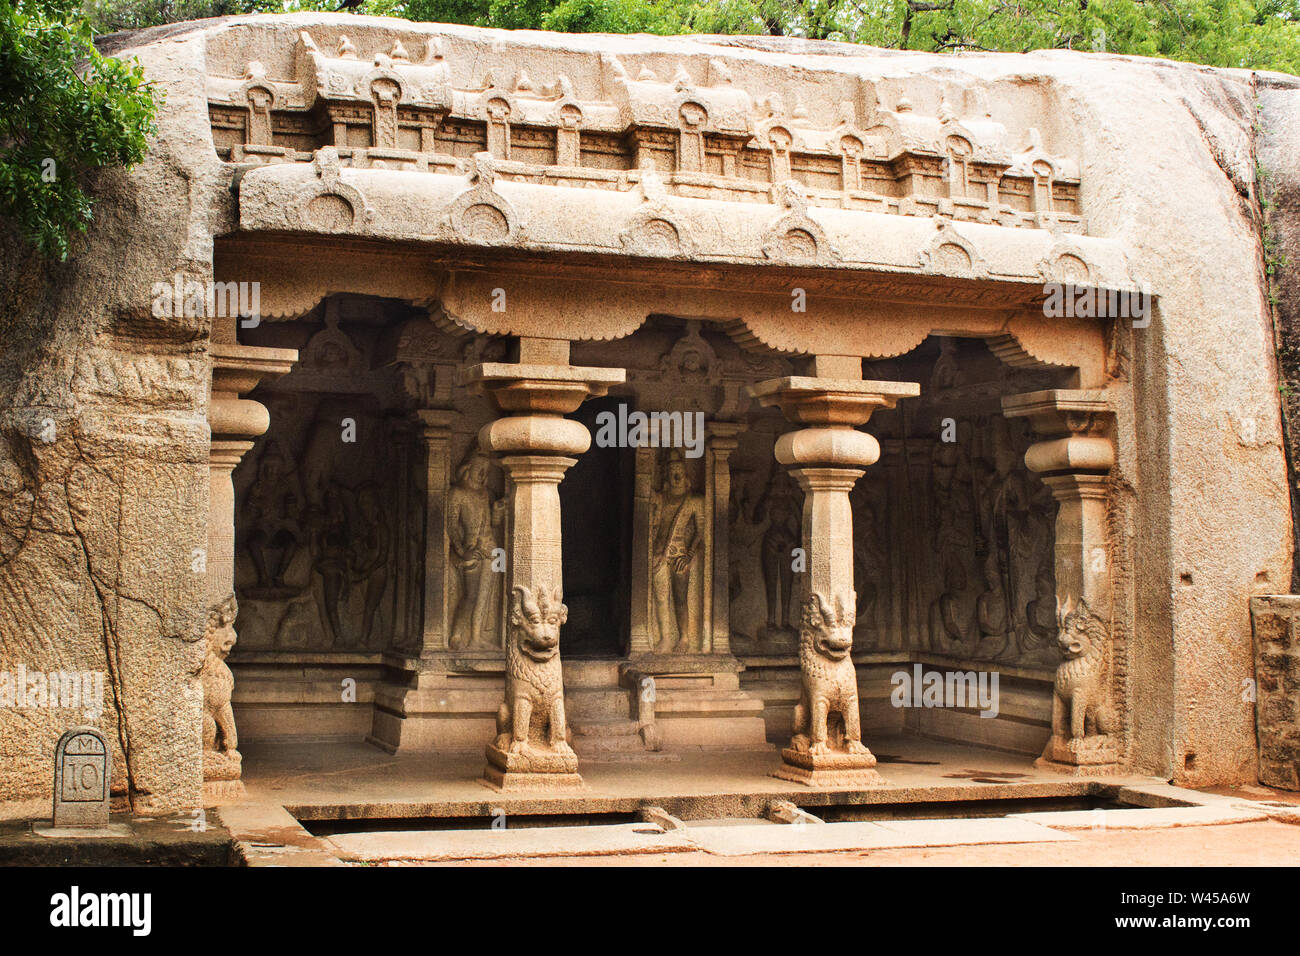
{"points": [[596, 503]]}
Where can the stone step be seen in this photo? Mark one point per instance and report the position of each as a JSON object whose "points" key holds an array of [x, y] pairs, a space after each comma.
{"points": [[589, 703], [608, 727], [592, 748], [599, 673], [605, 737]]}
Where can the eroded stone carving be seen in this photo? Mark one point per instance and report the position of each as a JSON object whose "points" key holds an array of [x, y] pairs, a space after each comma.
{"points": [[530, 723], [1082, 716], [702, 128], [780, 509], [221, 758], [826, 718], [677, 523], [474, 520]]}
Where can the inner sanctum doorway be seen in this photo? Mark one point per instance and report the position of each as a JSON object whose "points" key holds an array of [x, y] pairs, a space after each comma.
{"points": [[596, 507]]}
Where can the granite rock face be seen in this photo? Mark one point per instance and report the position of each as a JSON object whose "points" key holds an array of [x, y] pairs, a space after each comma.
{"points": [[1152, 166]]}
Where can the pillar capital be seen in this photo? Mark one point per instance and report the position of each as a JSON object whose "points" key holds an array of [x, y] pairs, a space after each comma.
{"points": [[1074, 425], [436, 423], [519, 388], [844, 402], [1058, 412], [236, 371]]}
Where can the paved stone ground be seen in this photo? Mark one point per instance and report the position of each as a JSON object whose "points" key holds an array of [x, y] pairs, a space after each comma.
{"points": [[1244, 844], [324, 782]]}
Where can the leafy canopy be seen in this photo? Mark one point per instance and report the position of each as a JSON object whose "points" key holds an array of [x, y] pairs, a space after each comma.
{"points": [[64, 111], [1249, 34]]}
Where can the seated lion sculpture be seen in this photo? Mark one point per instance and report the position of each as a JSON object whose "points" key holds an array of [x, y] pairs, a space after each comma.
{"points": [[221, 759], [829, 694], [533, 711]]}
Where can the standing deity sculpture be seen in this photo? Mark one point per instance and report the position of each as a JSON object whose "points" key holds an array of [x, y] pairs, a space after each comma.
{"points": [[370, 559], [275, 500], [991, 613], [331, 543], [474, 518], [677, 526], [784, 527]]}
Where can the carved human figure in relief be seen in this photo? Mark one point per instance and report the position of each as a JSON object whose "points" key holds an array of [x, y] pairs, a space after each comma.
{"points": [[991, 612], [947, 624], [532, 715], [220, 740], [473, 519], [677, 523], [870, 559], [331, 543], [1040, 616], [784, 526], [828, 697], [370, 557], [275, 500], [1081, 699]]}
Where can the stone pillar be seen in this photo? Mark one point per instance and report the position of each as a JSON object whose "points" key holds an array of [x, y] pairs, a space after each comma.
{"points": [[435, 432], [722, 441], [1074, 455], [641, 611], [235, 422], [826, 457], [536, 445]]}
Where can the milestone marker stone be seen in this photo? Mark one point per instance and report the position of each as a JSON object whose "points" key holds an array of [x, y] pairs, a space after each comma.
{"points": [[81, 778]]}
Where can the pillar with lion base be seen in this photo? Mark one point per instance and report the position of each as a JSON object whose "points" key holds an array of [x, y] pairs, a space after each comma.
{"points": [[826, 457], [535, 445], [1074, 455], [235, 422]]}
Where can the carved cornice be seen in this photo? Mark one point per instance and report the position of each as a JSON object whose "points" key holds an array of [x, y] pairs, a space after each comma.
{"points": [[399, 100]]}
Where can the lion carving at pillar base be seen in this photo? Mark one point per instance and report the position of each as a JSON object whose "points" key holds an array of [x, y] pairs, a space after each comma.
{"points": [[532, 734], [1083, 719], [826, 718], [221, 759]]}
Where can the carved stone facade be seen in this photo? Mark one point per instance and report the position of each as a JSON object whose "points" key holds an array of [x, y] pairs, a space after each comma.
{"points": [[613, 123], [497, 272]]}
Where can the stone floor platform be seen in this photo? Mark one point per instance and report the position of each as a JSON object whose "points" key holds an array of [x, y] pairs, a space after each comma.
{"points": [[319, 782], [348, 803]]}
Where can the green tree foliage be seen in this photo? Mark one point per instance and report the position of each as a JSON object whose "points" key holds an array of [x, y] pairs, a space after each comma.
{"points": [[64, 111], [1251, 34], [109, 16]]}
